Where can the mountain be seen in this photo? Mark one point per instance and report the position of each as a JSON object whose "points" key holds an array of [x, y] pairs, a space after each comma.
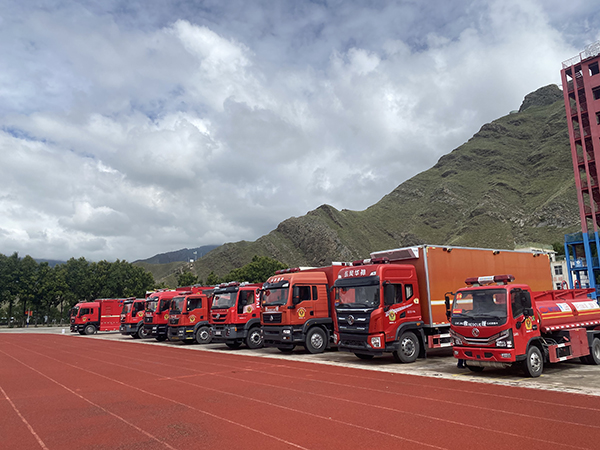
{"points": [[510, 185], [183, 255]]}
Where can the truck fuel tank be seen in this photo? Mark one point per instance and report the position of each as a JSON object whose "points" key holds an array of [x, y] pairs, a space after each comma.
{"points": [[562, 309]]}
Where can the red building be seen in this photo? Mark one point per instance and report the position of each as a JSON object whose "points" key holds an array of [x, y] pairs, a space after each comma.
{"points": [[581, 87]]}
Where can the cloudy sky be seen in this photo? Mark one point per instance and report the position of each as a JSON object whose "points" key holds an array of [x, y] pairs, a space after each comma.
{"points": [[130, 128]]}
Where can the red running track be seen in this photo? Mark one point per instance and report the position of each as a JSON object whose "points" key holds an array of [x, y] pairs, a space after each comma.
{"points": [[71, 392]]}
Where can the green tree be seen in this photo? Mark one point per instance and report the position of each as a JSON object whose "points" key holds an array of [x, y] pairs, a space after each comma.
{"points": [[212, 279], [186, 279]]}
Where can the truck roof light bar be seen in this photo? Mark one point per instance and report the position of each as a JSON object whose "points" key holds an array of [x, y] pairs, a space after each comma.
{"points": [[481, 281], [380, 260], [282, 271]]}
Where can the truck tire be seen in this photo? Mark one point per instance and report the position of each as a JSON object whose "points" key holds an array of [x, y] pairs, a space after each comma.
{"points": [[81, 332], [475, 368], [233, 345], [364, 356], [255, 338], [534, 362], [89, 329], [161, 338], [594, 357], [315, 340], [141, 333], [409, 348], [203, 335]]}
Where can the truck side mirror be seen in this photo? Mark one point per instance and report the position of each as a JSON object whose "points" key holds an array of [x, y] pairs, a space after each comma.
{"points": [[295, 295], [447, 302]]}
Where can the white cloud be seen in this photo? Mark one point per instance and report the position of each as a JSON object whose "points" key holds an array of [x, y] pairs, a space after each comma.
{"points": [[129, 133]]}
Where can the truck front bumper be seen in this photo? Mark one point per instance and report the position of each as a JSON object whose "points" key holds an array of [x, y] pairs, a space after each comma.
{"points": [[180, 333], [486, 357], [359, 343], [128, 329], [229, 333], [282, 336], [156, 330]]}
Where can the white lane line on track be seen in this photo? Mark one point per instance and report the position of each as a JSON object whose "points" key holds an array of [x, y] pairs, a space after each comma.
{"points": [[27, 424], [145, 392], [91, 402], [443, 419], [394, 436], [363, 404]]}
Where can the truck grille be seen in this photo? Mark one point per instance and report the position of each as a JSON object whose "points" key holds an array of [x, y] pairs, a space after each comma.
{"points": [[269, 318], [148, 319], [219, 317], [353, 321], [174, 320]]}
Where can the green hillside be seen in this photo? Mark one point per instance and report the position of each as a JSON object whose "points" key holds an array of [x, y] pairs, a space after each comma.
{"points": [[510, 185]]}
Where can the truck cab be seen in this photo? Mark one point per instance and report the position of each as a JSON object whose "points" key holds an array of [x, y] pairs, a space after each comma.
{"points": [[99, 315], [235, 315], [297, 309], [379, 310], [156, 316], [189, 317], [132, 318], [497, 324]]}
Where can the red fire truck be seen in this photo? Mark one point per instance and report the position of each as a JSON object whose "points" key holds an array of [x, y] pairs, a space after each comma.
{"points": [[132, 318], [235, 315], [156, 317], [497, 324], [394, 302], [100, 315], [297, 309], [189, 317]]}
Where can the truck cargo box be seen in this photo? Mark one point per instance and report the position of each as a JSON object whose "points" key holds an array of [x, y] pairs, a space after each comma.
{"points": [[443, 268]]}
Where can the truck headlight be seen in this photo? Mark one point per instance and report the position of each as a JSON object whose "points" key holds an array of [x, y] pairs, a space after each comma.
{"points": [[505, 339], [286, 331], [376, 342]]}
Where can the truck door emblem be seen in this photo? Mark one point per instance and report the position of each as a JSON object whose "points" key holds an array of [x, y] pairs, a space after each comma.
{"points": [[475, 332], [350, 320]]}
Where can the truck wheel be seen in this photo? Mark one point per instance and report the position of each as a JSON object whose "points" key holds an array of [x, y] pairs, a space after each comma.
{"points": [[161, 338], [594, 357], [254, 339], [409, 348], [534, 363], [90, 329], [363, 356], [233, 345], [475, 368], [141, 333], [81, 332], [315, 340], [203, 335]]}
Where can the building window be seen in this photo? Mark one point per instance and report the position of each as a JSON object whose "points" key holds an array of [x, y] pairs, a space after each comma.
{"points": [[558, 270], [558, 286], [593, 69], [596, 92]]}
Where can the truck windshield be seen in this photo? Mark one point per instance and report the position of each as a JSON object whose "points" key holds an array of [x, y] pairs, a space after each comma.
{"points": [[275, 296], [151, 304], [357, 297], [480, 305], [224, 300], [126, 308], [177, 304], [75, 311]]}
